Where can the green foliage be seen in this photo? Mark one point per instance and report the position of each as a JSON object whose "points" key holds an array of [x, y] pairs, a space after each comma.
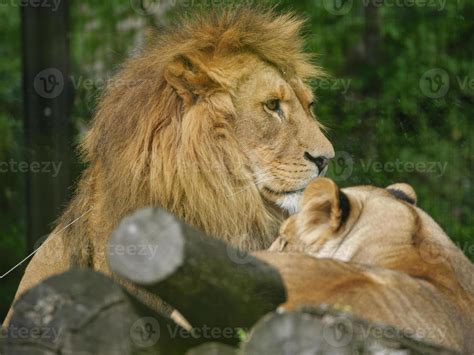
{"points": [[386, 117], [242, 335], [12, 226]]}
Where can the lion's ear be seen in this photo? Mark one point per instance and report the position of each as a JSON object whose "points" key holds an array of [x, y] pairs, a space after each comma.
{"points": [[188, 76], [324, 203], [403, 192]]}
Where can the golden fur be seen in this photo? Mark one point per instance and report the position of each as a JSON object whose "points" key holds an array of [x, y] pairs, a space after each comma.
{"points": [[389, 262], [185, 126]]}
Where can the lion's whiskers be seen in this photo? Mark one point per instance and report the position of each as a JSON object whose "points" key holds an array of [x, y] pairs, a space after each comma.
{"points": [[262, 178]]}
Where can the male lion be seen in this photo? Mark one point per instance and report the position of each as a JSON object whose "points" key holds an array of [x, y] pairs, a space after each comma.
{"points": [[373, 250], [213, 122]]}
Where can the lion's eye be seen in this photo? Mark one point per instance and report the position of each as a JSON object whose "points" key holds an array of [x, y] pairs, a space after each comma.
{"points": [[273, 105]]}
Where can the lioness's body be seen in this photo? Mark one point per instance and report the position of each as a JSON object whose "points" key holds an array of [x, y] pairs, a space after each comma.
{"points": [[387, 260]]}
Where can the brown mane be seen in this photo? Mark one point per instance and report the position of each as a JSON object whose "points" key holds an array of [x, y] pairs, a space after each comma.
{"points": [[149, 146]]}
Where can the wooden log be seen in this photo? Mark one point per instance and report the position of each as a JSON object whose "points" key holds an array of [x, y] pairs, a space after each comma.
{"points": [[82, 311], [3, 335], [208, 281], [212, 349], [327, 331]]}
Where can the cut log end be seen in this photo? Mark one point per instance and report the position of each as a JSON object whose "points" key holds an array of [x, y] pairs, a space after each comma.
{"points": [[147, 246]]}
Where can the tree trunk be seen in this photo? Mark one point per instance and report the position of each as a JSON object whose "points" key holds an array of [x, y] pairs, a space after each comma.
{"points": [[47, 100]]}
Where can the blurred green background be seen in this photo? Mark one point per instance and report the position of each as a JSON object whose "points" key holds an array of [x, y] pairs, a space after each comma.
{"points": [[398, 102]]}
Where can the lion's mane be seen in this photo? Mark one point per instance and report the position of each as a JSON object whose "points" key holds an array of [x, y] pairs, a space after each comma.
{"points": [[149, 146]]}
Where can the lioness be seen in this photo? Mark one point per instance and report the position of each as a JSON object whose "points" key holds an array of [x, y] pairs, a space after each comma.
{"points": [[375, 251]]}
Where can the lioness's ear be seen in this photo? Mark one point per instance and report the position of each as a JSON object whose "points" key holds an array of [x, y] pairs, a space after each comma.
{"points": [[324, 202], [188, 76], [403, 192]]}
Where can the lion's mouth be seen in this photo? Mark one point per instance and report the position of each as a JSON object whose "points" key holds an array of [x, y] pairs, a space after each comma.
{"points": [[282, 193], [274, 192]]}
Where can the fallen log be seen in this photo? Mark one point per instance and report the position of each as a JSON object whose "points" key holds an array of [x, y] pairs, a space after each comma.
{"points": [[212, 349], [82, 311], [212, 284], [322, 330]]}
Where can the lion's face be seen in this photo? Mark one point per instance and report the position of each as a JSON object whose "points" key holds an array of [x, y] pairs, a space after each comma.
{"points": [[218, 128], [279, 134]]}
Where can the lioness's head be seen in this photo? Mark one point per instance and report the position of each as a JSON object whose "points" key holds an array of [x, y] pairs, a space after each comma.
{"points": [[375, 226], [377, 252], [371, 217]]}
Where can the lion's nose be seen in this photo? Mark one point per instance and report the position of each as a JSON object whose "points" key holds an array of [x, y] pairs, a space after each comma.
{"points": [[321, 162]]}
